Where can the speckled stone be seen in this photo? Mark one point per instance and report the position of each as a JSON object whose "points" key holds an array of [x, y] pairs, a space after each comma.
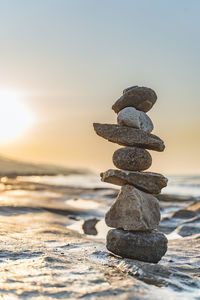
{"points": [[134, 210], [128, 136], [132, 159], [146, 181], [142, 98]]}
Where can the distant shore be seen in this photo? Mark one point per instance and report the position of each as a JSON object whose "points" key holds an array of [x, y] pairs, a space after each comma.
{"points": [[12, 168]]}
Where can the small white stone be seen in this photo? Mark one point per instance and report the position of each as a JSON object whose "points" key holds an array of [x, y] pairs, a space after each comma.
{"points": [[129, 116]]}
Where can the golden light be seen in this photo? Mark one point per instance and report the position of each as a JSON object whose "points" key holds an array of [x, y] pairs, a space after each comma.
{"points": [[15, 117]]}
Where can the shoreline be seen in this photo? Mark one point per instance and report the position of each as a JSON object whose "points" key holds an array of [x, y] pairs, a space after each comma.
{"points": [[56, 229]]}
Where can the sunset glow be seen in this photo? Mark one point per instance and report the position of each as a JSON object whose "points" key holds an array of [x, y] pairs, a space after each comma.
{"points": [[65, 69], [15, 118]]}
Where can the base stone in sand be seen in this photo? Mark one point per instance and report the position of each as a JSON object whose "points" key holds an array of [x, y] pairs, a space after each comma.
{"points": [[144, 246]]}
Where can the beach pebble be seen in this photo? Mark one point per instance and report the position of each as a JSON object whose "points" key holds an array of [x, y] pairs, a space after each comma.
{"points": [[146, 181], [129, 116], [142, 98], [132, 159], [128, 136], [133, 210], [89, 226], [144, 246]]}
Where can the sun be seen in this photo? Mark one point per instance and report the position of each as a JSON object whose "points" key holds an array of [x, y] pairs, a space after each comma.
{"points": [[15, 117]]}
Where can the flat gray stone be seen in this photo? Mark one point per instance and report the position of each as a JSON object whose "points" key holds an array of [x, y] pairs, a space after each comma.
{"points": [[142, 98], [134, 210], [132, 159], [144, 246], [146, 181], [129, 116], [128, 136]]}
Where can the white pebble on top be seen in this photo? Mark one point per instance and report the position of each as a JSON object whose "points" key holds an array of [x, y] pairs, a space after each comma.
{"points": [[129, 116]]}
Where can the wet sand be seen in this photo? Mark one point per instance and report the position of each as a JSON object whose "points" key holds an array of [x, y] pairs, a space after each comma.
{"points": [[45, 252]]}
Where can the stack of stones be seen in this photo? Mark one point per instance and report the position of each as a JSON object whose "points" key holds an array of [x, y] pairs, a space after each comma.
{"points": [[135, 214]]}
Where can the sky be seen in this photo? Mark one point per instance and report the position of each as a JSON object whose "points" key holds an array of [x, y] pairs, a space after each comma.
{"points": [[69, 60]]}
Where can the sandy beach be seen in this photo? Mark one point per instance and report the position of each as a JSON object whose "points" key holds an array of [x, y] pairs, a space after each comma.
{"points": [[53, 243]]}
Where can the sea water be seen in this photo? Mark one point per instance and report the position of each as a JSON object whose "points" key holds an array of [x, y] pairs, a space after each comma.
{"points": [[188, 185]]}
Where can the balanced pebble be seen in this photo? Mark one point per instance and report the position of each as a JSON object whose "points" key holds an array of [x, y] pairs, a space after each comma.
{"points": [[129, 116]]}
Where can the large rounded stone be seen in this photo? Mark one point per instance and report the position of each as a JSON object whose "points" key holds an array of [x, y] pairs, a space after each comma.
{"points": [[128, 136], [144, 246], [132, 159], [134, 210], [142, 98], [146, 181], [129, 116]]}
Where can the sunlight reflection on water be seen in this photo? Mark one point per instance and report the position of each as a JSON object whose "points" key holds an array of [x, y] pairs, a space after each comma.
{"points": [[84, 181], [181, 185]]}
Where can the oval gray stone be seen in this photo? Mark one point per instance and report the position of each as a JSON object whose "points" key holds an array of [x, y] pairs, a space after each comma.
{"points": [[142, 98], [134, 210], [129, 116], [128, 136], [143, 246], [132, 159], [146, 181]]}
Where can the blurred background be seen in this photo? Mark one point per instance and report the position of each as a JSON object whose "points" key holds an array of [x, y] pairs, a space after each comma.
{"points": [[64, 63]]}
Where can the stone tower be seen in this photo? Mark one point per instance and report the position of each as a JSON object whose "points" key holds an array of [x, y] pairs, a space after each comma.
{"points": [[135, 214]]}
